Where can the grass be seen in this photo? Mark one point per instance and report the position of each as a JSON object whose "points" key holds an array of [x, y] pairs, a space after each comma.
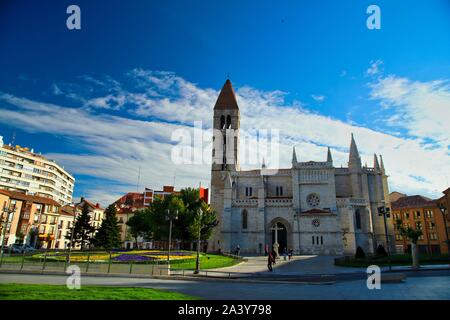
{"points": [[207, 261], [396, 260], [13, 291]]}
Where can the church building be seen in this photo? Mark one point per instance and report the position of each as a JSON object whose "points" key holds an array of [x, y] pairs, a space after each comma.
{"points": [[311, 207]]}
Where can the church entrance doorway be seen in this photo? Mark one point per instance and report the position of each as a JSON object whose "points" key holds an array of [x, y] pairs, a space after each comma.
{"points": [[281, 237]]}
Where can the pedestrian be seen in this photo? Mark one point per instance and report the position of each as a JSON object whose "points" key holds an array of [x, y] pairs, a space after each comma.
{"points": [[266, 250], [285, 254], [270, 260], [290, 253], [274, 257], [238, 250]]}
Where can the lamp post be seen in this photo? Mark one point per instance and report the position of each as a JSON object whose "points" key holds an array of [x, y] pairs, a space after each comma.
{"points": [[297, 216], [170, 217], [442, 208], [197, 262], [71, 234], [8, 210], [385, 212]]}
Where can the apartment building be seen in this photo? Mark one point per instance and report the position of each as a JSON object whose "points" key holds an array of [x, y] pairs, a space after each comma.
{"points": [[23, 170], [422, 213], [29, 219]]}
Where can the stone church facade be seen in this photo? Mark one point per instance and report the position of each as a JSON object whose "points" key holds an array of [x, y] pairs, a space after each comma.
{"points": [[315, 207]]}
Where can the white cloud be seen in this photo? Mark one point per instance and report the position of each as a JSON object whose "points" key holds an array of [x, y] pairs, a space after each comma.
{"points": [[423, 108], [116, 146], [375, 67], [319, 98]]}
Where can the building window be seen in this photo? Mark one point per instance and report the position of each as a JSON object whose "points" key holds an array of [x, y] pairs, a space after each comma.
{"points": [[228, 121], [321, 240], [419, 225], [407, 215], [248, 191], [313, 200], [222, 122], [279, 191], [416, 214], [358, 219], [433, 236], [313, 240], [244, 219], [398, 237]]}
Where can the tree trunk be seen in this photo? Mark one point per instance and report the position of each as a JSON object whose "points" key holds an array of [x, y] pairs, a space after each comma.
{"points": [[415, 256]]}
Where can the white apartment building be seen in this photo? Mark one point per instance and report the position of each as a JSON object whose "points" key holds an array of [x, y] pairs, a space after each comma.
{"points": [[23, 170]]}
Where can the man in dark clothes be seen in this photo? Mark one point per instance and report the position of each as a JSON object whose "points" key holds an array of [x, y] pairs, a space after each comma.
{"points": [[270, 260]]}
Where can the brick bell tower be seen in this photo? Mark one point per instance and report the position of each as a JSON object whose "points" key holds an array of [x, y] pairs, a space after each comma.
{"points": [[225, 155]]}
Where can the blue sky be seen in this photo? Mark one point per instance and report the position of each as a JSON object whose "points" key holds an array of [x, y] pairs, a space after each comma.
{"points": [[105, 99]]}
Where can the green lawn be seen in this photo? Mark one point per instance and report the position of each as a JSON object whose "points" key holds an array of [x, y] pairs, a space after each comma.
{"points": [[13, 291], [207, 261], [398, 260]]}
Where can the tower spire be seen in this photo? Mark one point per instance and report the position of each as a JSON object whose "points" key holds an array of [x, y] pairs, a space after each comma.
{"points": [[376, 165], [227, 98], [294, 156], [381, 164], [354, 158], [329, 158]]}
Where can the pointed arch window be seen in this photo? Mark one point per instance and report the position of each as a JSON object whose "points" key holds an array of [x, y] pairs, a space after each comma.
{"points": [[244, 219], [222, 121], [358, 219], [228, 121]]}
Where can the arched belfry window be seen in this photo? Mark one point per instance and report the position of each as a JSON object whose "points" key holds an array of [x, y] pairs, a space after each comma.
{"points": [[222, 121], [228, 121], [244, 219], [358, 219]]}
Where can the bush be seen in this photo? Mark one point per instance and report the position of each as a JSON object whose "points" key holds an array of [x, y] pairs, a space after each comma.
{"points": [[360, 253], [381, 251]]}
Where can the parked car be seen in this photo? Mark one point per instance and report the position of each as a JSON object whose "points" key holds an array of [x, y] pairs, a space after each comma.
{"points": [[20, 248]]}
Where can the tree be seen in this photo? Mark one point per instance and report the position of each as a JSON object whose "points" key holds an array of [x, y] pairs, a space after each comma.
{"points": [[82, 231], [139, 224], [108, 235], [413, 236]]}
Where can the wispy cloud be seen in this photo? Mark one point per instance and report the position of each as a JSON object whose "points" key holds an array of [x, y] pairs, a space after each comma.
{"points": [[375, 67], [155, 104], [318, 98]]}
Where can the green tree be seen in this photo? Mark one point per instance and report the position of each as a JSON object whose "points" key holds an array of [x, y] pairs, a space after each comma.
{"points": [[108, 235], [83, 230], [413, 236], [139, 225]]}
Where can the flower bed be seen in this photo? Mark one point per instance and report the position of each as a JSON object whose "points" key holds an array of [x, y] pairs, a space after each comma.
{"points": [[135, 256]]}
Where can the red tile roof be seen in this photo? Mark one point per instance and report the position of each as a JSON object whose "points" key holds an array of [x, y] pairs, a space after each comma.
{"points": [[30, 198], [227, 97], [412, 202]]}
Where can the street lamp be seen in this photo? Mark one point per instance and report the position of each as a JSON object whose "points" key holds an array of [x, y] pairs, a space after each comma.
{"points": [[170, 217], [442, 208], [71, 234], [8, 210], [197, 263], [385, 212]]}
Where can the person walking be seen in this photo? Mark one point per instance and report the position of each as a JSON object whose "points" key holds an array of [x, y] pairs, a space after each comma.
{"points": [[285, 254], [238, 250], [290, 253], [270, 260]]}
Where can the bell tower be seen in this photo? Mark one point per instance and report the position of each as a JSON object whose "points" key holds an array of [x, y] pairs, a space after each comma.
{"points": [[225, 156]]}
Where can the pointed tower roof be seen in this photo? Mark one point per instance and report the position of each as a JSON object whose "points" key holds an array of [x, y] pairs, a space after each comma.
{"points": [[354, 158], [227, 98], [329, 158], [263, 163], [376, 165], [381, 163], [294, 156]]}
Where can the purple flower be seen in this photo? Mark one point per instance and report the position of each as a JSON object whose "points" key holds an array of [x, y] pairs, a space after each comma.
{"points": [[132, 257]]}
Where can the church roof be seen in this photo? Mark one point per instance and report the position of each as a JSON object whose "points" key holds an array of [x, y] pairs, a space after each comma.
{"points": [[227, 98]]}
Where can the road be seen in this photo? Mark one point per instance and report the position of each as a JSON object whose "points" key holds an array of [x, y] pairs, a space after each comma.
{"points": [[416, 288]]}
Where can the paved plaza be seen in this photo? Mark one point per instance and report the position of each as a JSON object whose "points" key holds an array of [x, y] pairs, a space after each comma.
{"points": [[422, 288]]}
